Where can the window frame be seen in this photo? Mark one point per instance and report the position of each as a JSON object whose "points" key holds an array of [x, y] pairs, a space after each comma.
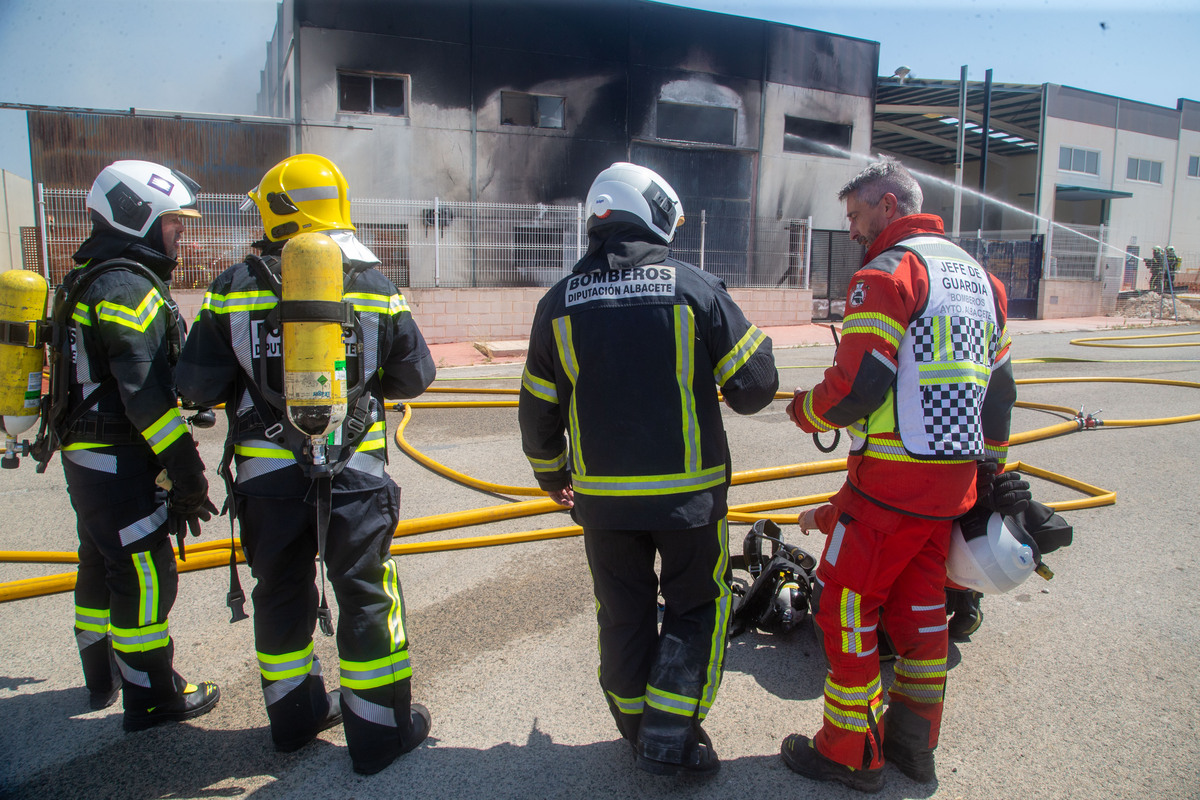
{"points": [[535, 100], [1139, 162], [733, 130], [1085, 151], [838, 146], [405, 80], [1193, 168]]}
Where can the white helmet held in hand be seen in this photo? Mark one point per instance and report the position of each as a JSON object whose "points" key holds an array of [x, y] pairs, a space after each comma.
{"points": [[990, 553], [130, 195], [630, 193]]}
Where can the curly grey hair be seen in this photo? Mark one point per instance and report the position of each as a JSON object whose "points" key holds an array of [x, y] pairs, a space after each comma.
{"points": [[883, 176]]}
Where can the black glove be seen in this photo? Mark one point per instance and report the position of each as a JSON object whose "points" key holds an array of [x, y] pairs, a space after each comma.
{"points": [[1005, 493], [187, 506]]}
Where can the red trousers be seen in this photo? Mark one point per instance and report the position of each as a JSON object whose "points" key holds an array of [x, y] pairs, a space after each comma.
{"points": [[896, 563]]}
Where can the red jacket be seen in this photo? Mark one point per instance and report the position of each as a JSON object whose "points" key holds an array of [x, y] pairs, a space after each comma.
{"points": [[858, 383]]}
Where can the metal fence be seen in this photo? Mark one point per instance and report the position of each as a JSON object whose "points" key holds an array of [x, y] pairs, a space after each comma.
{"points": [[449, 244], [1079, 252]]}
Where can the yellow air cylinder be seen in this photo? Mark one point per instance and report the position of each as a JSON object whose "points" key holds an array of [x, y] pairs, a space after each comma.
{"points": [[22, 306], [314, 356]]}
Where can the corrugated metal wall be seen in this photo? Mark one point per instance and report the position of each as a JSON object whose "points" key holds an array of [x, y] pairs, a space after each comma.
{"points": [[68, 149]]}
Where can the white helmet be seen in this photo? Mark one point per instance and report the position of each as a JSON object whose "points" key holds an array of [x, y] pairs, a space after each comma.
{"points": [[630, 193], [131, 195], [990, 553]]}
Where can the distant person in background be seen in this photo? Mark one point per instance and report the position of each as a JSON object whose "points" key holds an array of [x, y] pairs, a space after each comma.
{"points": [[1155, 264]]}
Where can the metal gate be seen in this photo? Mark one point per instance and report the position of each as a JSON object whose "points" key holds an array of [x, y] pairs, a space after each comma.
{"points": [[835, 257], [1017, 264]]}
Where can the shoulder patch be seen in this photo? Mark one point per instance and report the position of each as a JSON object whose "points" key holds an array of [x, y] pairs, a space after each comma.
{"points": [[859, 295]]}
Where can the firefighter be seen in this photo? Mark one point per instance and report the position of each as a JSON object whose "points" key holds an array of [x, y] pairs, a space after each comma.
{"points": [[922, 381], [234, 356], [1155, 264], [625, 357], [1172, 265], [117, 422]]}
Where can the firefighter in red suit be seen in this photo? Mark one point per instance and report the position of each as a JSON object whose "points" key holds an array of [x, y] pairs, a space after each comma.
{"points": [[922, 381]]}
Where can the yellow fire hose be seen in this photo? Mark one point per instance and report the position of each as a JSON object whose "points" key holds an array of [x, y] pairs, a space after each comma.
{"points": [[216, 553]]}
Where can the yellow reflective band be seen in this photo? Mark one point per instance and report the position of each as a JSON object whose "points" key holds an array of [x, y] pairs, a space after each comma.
{"points": [[549, 464], [82, 314], [809, 414], [84, 446], [141, 640], [239, 301], [138, 319], [892, 449], [147, 588], [370, 302], [286, 665], [380, 672], [724, 609], [563, 339], [933, 668], [395, 618], [685, 374], [938, 373], [374, 439], [875, 324], [632, 485], [670, 702], [733, 360], [629, 705], [261, 451], [539, 387], [165, 430], [91, 619]]}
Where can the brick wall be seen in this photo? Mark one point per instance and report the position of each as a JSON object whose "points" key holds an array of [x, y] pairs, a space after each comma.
{"points": [[473, 315]]}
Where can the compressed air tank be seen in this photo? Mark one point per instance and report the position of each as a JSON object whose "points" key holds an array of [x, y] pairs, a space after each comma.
{"points": [[314, 355], [22, 307]]}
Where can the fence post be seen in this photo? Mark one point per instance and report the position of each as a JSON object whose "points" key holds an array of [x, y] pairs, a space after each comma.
{"points": [[579, 231], [703, 225], [1049, 265], [1101, 243], [437, 243], [42, 238], [807, 252]]}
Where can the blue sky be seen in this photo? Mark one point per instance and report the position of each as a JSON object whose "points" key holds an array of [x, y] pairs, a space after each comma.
{"points": [[205, 55]]}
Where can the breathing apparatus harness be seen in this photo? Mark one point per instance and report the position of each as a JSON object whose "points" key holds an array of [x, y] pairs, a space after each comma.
{"points": [[58, 422], [780, 592], [837, 432], [273, 421]]}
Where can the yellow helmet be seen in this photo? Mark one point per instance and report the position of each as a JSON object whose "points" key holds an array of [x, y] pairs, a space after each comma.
{"points": [[302, 194]]}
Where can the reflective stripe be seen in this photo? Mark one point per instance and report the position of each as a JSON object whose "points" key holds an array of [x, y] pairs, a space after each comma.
{"points": [[835, 544], [956, 372], [131, 675], [82, 314], [671, 703], [850, 619], [380, 672], [141, 640], [932, 668], [239, 301], [889, 448], [371, 465], [853, 707], [91, 619], [811, 415], [165, 430], [286, 665], [549, 465], [366, 710], [308, 193], [277, 690], [82, 454], [875, 324], [736, 358], [919, 693], [933, 628], [570, 365], [395, 618], [628, 705], [539, 388], [723, 609], [996, 451], [374, 439], [630, 485], [138, 319], [85, 639], [144, 526], [937, 607], [685, 375], [147, 588]]}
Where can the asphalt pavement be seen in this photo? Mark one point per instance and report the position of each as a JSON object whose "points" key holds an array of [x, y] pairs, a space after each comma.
{"points": [[1083, 686]]}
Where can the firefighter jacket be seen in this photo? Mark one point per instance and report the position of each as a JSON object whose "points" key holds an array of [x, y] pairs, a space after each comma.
{"points": [[122, 344], [921, 378], [224, 362], [626, 355]]}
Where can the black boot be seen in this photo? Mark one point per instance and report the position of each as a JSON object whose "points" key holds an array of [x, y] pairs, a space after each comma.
{"points": [[668, 743], [193, 701], [968, 615], [421, 723], [906, 743], [802, 757], [331, 718]]}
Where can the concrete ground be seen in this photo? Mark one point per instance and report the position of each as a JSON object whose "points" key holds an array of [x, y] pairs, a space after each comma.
{"points": [[1083, 686]]}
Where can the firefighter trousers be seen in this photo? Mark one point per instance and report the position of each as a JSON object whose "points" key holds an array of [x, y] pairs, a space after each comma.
{"points": [[127, 581], [279, 536], [660, 684], [902, 569]]}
